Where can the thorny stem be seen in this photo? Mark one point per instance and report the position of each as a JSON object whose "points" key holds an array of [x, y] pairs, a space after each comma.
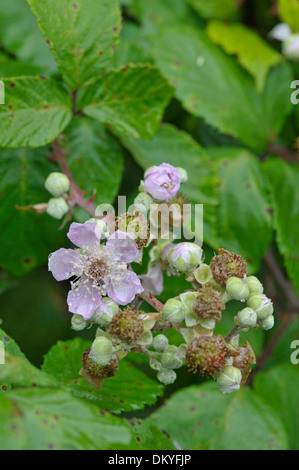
{"points": [[77, 195]]}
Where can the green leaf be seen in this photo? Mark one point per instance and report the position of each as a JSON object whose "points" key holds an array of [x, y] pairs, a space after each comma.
{"points": [[22, 38], [156, 14], [22, 176], [200, 417], [17, 371], [130, 389], [289, 13], [35, 112], [283, 180], [220, 9], [212, 85], [95, 158], [179, 149], [41, 419], [253, 53], [82, 35], [278, 387], [146, 436], [244, 213], [131, 99]]}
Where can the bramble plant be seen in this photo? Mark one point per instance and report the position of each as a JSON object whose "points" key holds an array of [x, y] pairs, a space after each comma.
{"points": [[104, 281], [149, 256]]}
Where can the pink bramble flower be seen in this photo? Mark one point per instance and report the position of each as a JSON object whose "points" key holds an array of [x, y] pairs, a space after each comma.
{"points": [[162, 182], [98, 270]]}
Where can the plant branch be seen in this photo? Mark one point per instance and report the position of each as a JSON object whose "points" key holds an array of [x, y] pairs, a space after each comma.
{"points": [[77, 195], [151, 300]]}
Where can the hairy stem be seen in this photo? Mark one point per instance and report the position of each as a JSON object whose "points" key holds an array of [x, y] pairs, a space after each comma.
{"points": [[151, 300]]}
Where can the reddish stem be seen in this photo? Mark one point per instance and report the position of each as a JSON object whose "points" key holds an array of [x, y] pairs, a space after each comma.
{"points": [[77, 195]]}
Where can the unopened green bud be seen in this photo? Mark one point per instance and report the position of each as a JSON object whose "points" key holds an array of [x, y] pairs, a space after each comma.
{"points": [[174, 311], [160, 342], [170, 361], [254, 285], [78, 322], [101, 351], [186, 256], [166, 376], [261, 304], [229, 380], [183, 173], [144, 199], [247, 317], [203, 274], [268, 323], [57, 184], [237, 289], [57, 207]]}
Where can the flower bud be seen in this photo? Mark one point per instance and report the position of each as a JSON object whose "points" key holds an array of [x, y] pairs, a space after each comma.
{"points": [[166, 376], [144, 199], [254, 285], [186, 256], [261, 304], [267, 323], [183, 173], [101, 351], [57, 207], [229, 380], [290, 47], [237, 289], [174, 311], [170, 360], [78, 322], [57, 184], [160, 342], [162, 182], [203, 274], [247, 317]]}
